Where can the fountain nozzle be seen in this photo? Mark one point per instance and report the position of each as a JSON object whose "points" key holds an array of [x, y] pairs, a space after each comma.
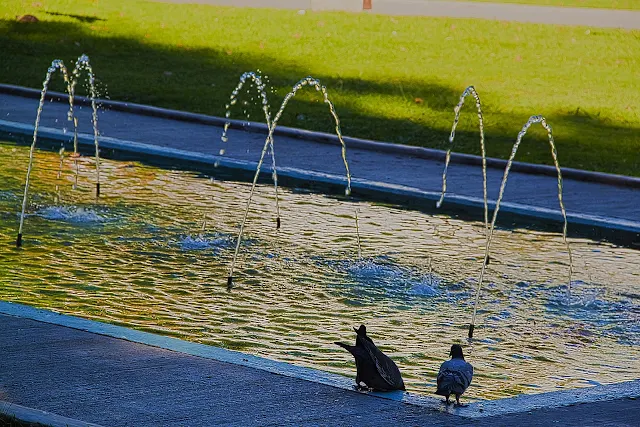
{"points": [[97, 189], [229, 282], [19, 240], [471, 328], [278, 223]]}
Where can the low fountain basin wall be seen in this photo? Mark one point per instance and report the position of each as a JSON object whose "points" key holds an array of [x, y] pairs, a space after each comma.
{"points": [[618, 231]]}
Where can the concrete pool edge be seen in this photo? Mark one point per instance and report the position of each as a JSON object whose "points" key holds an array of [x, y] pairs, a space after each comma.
{"points": [[480, 409], [189, 159], [326, 138], [204, 351], [44, 418]]}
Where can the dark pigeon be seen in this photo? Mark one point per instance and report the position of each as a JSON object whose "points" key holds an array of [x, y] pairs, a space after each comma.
{"points": [[455, 375], [373, 367]]}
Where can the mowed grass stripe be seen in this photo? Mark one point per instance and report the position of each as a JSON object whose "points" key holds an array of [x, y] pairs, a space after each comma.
{"points": [[392, 79]]}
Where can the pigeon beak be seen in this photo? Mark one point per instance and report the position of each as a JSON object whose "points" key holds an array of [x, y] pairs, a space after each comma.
{"points": [[355, 330]]}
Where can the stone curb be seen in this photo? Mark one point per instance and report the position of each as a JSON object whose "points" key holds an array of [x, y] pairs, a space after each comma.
{"points": [[479, 409], [325, 138], [48, 419], [208, 352]]}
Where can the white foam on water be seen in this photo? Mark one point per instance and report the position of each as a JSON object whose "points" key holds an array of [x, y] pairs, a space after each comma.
{"points": [[199, 242], [70, 214]]}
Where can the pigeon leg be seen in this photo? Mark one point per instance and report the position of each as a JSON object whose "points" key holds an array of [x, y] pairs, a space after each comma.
{"points": [[447, 401], [458, 401]]}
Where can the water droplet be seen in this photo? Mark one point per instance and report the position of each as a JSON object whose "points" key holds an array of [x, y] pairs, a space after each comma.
{"points": [[224, 138], [222, 151], [347, 192]]}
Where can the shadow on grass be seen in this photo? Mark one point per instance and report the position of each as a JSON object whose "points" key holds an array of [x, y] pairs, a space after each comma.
{"points": [[201, 80], [81, 18]]}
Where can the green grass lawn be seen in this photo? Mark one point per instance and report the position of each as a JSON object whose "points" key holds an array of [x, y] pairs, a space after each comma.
{"points": [[603, 4], [392, 79]]}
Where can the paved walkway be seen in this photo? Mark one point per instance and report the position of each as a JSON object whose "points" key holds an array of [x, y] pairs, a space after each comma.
{"points": [[456, 9], [535, 191], [113, 382]]}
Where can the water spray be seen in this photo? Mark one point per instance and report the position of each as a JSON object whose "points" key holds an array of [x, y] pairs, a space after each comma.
{"points": [[308, 81], [554, 154]]}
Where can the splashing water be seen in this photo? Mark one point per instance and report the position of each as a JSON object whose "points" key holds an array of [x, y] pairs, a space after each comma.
{"points": [[56, 65], [71, 214], [358, 234], [201, 242], [256, 79], [382, 276], [554, 154], [83, 64], [61, 153], [468, 91], [307, 81]]}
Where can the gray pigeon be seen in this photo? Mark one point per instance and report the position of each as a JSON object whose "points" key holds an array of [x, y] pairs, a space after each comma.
{"points": [[373, 367], [455, 375]]}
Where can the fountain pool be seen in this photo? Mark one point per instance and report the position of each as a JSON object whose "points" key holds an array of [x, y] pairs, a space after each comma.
{"points": [[139, 257]]}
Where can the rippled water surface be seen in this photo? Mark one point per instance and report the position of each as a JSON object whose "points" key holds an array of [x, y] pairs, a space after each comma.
{"points": [[141, 257]]}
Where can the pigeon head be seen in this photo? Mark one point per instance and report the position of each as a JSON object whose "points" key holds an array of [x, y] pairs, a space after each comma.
{"points": [[362, 330], [456, 352]]}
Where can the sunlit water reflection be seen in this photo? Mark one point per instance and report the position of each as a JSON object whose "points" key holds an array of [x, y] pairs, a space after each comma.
{"points": [[140, 257]]}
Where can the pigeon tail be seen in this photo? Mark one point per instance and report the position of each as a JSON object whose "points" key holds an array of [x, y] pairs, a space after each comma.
{"points": [[450, 382]]}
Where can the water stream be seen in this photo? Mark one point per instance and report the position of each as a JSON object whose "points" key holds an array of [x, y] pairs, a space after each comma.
{"points": [[308, 81], [554, 154], [58, 65]]}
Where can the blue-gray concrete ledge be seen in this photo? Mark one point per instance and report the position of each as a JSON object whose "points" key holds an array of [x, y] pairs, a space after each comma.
{"points": [[36, 416], [480, 409], [205, 351], [384, 147], [360, 187]]}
